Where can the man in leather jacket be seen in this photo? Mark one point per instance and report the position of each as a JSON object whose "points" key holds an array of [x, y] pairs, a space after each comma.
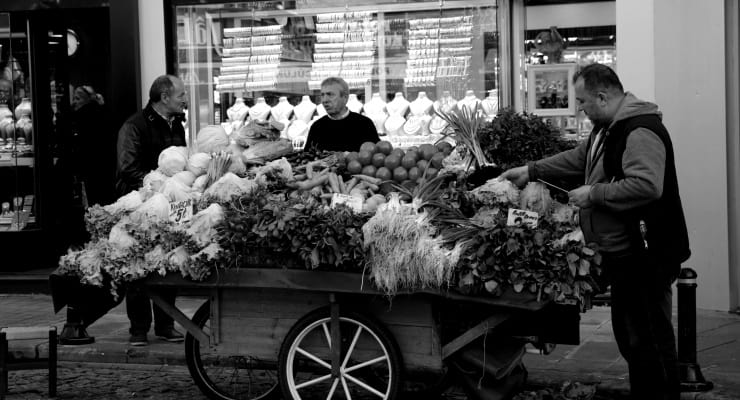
{"points": [[140, 140]]}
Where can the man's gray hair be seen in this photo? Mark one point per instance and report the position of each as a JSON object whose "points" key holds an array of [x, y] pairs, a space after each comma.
{"points": [[163, 83], [335, 80]]}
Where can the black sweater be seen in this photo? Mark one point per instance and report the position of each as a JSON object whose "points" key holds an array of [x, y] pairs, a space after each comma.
{"points": [[346, 134]]}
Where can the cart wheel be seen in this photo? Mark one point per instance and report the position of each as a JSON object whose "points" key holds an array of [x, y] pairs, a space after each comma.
{"points": [[371, 362], [227, 376]]}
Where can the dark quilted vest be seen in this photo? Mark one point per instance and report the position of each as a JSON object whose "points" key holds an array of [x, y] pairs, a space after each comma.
{"points": [[667, 236]]}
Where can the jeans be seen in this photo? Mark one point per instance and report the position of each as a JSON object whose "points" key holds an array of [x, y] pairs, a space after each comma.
{"points": [[641, 317], [139, 310]]}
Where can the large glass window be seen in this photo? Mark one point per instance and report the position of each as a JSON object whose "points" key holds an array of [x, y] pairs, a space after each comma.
{"points": [[260, 59]]}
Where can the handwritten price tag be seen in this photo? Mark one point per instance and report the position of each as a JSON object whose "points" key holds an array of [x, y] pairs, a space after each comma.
{"points": [[522, 217], [355, 203], [181, 211]]}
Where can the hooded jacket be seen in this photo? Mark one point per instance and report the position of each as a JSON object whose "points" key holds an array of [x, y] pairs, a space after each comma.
{"points": [[643, 165], [140, 140]]}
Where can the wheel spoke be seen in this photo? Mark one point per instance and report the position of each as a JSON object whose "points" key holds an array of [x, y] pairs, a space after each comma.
{"points": [[327, 334], [362, 384], [365, 364], [313, 381], [333, 389], [346, 389], [313, 358], [352, 346]]}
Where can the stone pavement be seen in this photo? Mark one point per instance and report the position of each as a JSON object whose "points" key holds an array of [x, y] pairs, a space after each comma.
{"points": [[595, 361]]}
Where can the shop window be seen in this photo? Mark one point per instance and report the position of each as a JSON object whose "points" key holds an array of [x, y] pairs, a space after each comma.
{"points": [[550, 97], [258, 56]]}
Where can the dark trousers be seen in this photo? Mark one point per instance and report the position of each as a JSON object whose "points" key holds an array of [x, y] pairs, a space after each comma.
{"points": [[139, 310], [641, 318]]}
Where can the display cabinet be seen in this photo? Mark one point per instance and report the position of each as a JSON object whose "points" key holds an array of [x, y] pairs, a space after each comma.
{"points": [[18, 172], [247, 54]]}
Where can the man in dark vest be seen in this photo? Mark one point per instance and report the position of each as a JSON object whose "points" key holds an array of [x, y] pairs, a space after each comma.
{"points": [[629, 180]]}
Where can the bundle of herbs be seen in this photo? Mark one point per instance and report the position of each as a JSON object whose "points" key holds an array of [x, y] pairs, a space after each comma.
{"points": [[512, 139], [272, 222], [463, 126]]}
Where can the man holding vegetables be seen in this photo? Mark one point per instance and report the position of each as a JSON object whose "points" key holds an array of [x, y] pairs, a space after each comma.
{"points": [[629, 174], [341, 129], [140, 140]]}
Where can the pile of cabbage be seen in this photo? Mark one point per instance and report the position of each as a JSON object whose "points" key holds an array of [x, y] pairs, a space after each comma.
{"points": [[135, 237]]}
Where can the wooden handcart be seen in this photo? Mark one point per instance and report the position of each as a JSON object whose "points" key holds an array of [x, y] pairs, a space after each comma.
{"points": [[270, 331]]}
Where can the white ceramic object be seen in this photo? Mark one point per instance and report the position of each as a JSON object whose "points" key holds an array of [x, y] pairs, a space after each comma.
{"points": [[393, 124], [282, 110], [354, 104], [490, 104], [470, 101], [375, 110], [422, 105], [238, 111], [305, 109], [260, 111], [445, 103], [398, 106]]}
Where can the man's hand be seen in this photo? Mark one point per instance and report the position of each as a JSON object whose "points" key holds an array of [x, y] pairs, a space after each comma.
{"points": [[580, 196], [518, 176]]}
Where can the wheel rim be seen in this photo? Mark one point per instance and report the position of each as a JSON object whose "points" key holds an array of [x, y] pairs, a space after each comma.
{"points": [[364, 373], [228, 376]]}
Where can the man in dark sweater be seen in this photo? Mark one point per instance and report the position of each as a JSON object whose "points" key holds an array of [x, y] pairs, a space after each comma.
{"points": [[629, 174], [341, 129]]}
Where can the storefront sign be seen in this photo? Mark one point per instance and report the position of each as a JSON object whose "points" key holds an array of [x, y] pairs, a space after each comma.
{"points": [[181, 211]]}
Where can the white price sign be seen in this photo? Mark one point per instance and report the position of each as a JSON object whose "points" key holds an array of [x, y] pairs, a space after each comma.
{"points": [[355, 203], [522, 217], [181, 211]]}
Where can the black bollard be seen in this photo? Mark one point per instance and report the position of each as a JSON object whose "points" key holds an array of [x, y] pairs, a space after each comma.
{"points": [[690, 374]]}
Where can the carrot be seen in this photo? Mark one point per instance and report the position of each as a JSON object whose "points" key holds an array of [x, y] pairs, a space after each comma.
{"points": [[334, 183], [327, 196], [342, 186], [309, 170], [312, 183], [368, 179], [350, 184], [300, 177]]}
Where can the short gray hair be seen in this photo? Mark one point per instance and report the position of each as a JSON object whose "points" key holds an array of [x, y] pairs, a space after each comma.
{"points": [[163, 83], [335, 80]]}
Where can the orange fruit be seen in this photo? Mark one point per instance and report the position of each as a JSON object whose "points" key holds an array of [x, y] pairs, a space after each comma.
{"points": [[408, 161], [368, 146], [422, 165], [384, 174], [392, 161], [400, 153], [414, 174], [352, 155], [369, 170], [444, 147], [400, 174], [431, 173], [354, 167], [365, 157], [436, 160], [427, 151], [412, 153], [378, 160], [384, 147], [412, 148]]}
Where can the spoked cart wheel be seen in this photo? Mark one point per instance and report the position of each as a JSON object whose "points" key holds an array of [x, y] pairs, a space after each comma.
{"points": [[369, 360], [227, 376]]}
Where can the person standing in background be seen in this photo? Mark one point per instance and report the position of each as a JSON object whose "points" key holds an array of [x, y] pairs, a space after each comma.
{"points": [[341, 129], [629, 186], [140, 140]]}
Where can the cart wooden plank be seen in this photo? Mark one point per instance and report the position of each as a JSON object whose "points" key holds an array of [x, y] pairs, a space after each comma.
{"points": [[329, 282]]}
